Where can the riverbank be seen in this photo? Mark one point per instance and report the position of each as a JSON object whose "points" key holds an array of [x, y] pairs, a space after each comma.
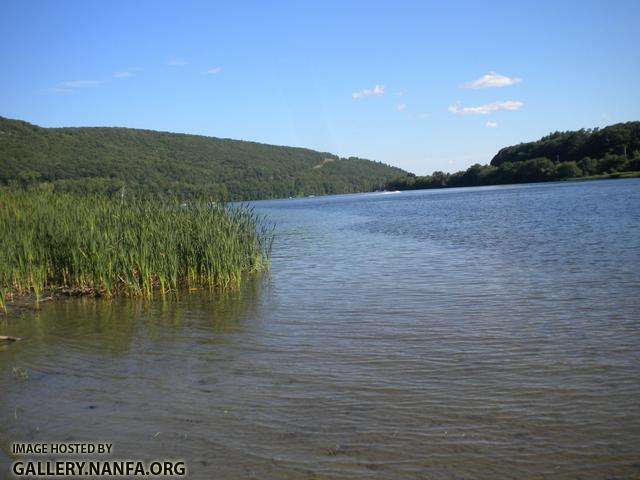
{"points": [[446, 180], [607, 176]]}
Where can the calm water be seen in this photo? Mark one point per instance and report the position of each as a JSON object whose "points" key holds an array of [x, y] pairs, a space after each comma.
{"points": [[472, 333]]}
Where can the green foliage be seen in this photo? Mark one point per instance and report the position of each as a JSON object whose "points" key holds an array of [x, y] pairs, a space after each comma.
{"points": [[583, 153], [20, 373], [103, 160], [567, 170], [91, 244], [618, 139]]}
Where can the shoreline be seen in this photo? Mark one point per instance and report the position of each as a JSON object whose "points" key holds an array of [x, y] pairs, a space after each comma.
{"points": [[604, 176]]}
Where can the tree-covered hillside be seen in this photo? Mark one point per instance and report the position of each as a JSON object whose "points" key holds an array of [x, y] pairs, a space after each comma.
{"points": [[573, 146], [611, 151], [106, 159]]}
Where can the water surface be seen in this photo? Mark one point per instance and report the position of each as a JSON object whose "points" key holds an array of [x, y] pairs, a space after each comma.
{"points": [[461, 333]]}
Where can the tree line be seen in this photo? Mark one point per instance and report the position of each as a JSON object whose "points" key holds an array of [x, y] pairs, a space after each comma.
{"points": [[557, 156], [113, 160]]}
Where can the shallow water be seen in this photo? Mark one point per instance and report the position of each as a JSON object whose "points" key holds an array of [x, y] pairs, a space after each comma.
{"points": [[461, 333]]}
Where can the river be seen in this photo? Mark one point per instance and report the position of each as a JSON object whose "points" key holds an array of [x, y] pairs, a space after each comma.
{"points": [[479, 333]]}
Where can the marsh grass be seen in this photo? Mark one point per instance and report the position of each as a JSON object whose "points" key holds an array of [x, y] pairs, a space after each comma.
{"points": [[95, 245], [20, 373]]}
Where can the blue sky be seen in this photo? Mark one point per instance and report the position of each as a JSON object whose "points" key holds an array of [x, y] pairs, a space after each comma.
{"points": [[421, 85]]}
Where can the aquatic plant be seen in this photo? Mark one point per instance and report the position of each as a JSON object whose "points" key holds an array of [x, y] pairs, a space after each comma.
{"points": [[95, 245], [20, 373]]}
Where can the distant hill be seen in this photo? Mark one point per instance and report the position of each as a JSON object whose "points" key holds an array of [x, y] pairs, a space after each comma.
{"points": [[610, 152], [573, 146], [106, 159]]}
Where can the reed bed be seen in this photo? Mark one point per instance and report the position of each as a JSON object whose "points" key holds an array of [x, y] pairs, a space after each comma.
{"points": [[94, 245]]}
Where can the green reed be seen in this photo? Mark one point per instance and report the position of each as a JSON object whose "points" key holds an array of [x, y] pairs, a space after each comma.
{"points": [[96, 245]]}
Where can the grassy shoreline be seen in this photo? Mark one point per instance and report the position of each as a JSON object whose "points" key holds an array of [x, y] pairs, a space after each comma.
{"points": [[603, 176], [606, 176], [95, 245]]}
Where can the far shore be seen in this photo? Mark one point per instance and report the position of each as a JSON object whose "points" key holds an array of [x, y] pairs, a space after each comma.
{"points": [[603, 176], [607, 176]]}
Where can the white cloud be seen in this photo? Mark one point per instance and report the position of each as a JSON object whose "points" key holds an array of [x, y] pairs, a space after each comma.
{"points": [[423, 116], [486, 108], [177, 62], [373, 92], [399, 93], [79, 83], [214, 70], [54, 90], [129, 72], [71, 85], [491, 124], [492, 80], [402, 107]]}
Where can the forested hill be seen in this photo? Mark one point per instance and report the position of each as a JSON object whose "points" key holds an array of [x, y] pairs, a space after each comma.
{"points": [[573, 146], [106, 159], [611, 152]]}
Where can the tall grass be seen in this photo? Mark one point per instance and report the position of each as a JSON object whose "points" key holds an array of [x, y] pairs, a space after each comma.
{"points": [[101, 246]]}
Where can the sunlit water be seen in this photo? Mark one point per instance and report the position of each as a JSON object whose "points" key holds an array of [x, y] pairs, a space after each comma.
{"points": [[464, 333]]}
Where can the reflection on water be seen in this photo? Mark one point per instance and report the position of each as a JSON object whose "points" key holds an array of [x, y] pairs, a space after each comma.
{"points": [[469, 333]]}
